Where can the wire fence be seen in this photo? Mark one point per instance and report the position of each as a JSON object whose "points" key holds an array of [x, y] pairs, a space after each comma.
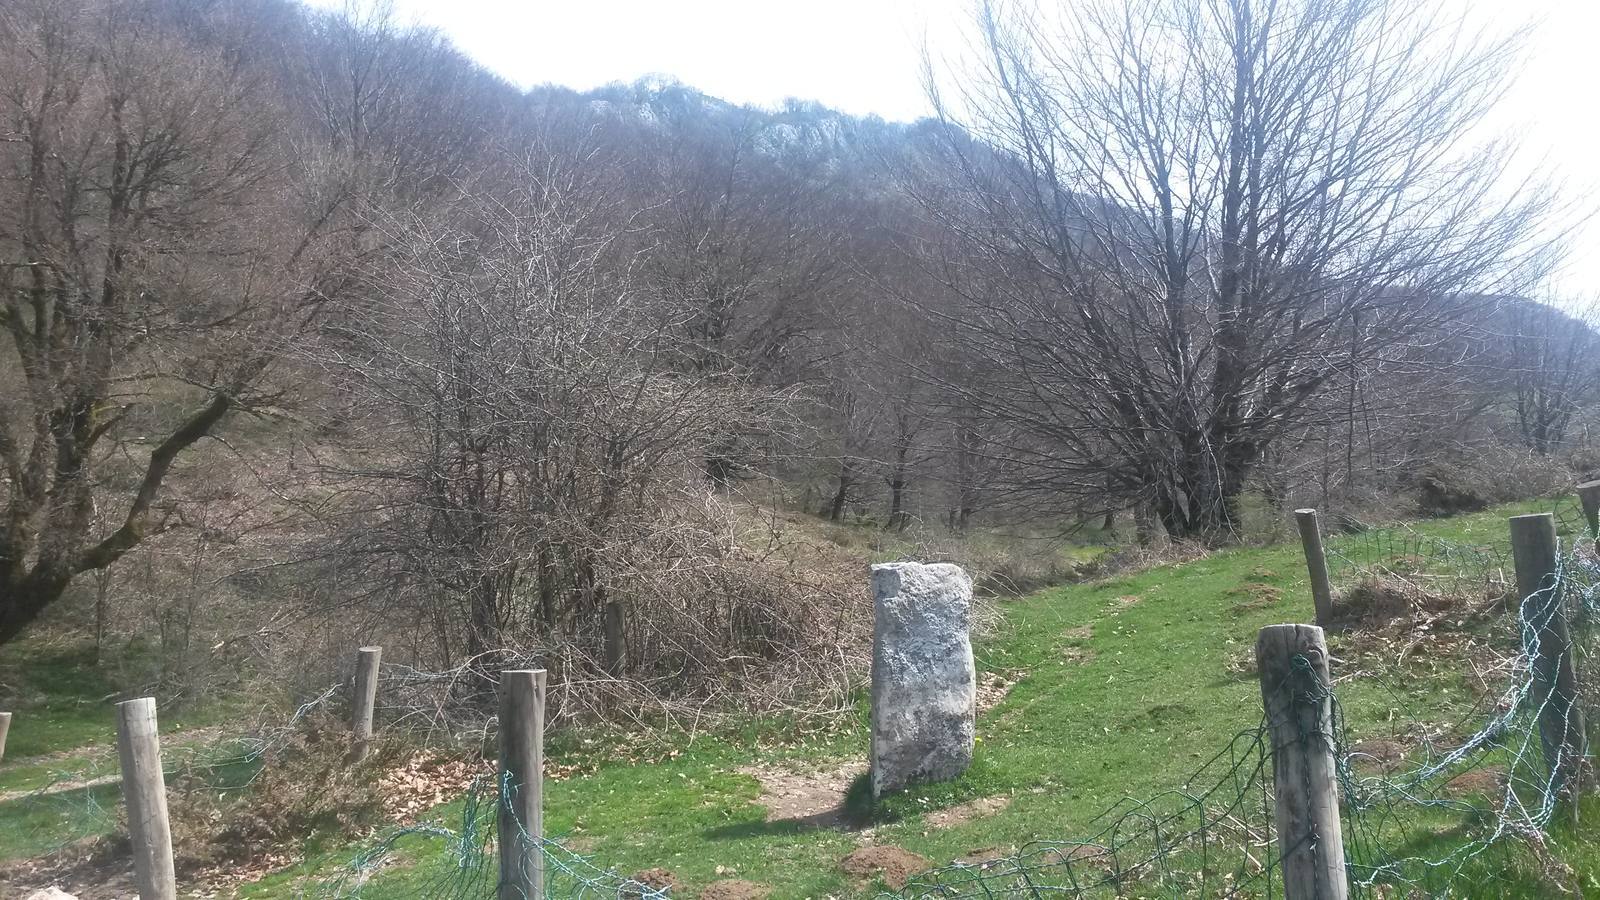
{"points": [[1430, 798], [1210, 837], [1429, 564], [462, 862], [1435, 809], [76, 798]]}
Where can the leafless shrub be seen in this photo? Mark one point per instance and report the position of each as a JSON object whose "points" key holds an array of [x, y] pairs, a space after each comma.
{"points": [[529, 480]]}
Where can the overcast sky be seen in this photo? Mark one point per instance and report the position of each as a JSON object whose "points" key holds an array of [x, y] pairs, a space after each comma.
{"points": [[862, 56]]}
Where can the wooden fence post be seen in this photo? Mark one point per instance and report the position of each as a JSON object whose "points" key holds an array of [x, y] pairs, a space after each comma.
{"points": [[521, 817], [1589, 496], [1297, 694], [144, 790], [366, 698], [1316, 564], [1539, 595], [5, 726]]}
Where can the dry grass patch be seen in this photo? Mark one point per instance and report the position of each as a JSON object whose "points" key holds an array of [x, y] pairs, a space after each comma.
{"points": [[993, 688], [814, 797], [975, 809]]}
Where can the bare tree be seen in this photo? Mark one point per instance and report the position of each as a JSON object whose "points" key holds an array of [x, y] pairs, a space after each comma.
{"points": [[1554, 368], [153, 252], [1186, 220], [534, 438]]}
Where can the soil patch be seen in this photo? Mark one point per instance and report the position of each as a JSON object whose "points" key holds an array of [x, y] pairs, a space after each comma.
{"points": [[1376, 754], [58, 787], [1080, 855], [1487, 781], [981, 857], [814, 798], [1077, 655], [654, 879], [966, 812], [1257, 596], [894, 864], [735, 889]]}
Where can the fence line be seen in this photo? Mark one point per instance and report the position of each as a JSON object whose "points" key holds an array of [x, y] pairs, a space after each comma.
{"points": [[1402, 825], [1391, 820]]}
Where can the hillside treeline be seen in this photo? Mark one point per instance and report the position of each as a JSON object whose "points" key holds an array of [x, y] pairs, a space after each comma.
{"points": [[319, 333]]}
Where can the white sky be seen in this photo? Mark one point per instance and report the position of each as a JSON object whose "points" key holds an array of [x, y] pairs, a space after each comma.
{"points": [[862, 56]]}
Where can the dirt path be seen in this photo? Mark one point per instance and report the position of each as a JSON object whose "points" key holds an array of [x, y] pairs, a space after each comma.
{"points": [[59, 787]]}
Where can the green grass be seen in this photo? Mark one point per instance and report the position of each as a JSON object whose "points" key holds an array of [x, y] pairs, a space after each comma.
{"points": [[1124, 691], [58, 696], [30, 826], [1124, 688], [63, 732]]}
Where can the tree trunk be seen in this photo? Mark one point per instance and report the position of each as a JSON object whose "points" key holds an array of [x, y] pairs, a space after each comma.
{"points": [[898, 518], [483, 638], [1200, 502], [1144, 523], [545, 560], [28, 599], [841, 496], [966, 477]]}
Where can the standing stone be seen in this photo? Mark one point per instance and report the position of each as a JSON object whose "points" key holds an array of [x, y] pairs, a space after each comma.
{"points": [[924, 683]]}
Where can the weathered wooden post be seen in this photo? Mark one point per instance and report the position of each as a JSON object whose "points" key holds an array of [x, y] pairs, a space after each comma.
{"points": [[521, 816], [144, 790], [1555, 683], [1316, 564], [1298, 696], [5, 726], [365, 699], [1589, 496]]}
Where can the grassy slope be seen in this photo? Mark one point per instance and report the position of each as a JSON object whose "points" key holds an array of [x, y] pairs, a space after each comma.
{"points": [[1132, 717], [1127, 707], [64, 730]]}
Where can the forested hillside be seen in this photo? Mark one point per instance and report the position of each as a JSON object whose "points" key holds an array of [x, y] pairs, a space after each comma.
{"points": [[316, 332]]}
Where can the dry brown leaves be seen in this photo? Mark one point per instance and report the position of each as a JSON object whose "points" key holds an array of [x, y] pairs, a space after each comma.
{"points": [[993, 688], [425, 781]]}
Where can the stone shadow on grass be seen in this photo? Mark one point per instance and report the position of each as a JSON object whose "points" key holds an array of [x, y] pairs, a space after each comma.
{"points": [[855, 811]]}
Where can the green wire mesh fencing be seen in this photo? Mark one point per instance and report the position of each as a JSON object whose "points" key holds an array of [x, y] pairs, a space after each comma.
{"points": [[461, 861], [70, 801], [1429, 808], [1435, 800], [1428, 565], [1210, 837]]}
